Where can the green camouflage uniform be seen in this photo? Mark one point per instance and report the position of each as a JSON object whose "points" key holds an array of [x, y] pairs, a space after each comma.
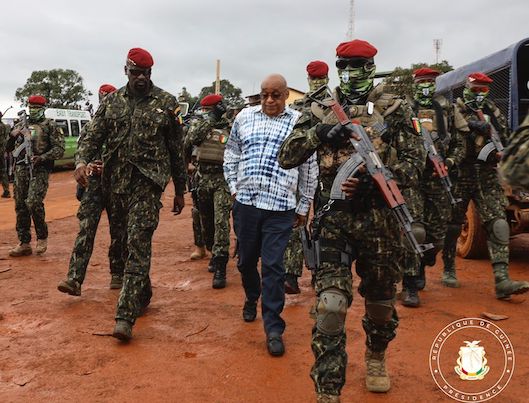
{"points": [[214, 197], [362, 229], [140, 140], [48, 143], [431, 204], [4, 134], [478, 181], [515, 165]]}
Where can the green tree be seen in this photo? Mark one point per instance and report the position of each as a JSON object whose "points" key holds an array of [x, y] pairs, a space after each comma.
{"points": [[62, 88], [185, 96], [231, 94], [401, 79]]}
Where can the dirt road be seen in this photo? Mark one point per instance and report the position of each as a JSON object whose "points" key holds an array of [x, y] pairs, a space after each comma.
{"points": [[192, 345]]}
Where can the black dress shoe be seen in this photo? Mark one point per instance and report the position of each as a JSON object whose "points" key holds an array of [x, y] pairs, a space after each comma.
{"points": [[274, 343], [249, 311], [291, 284]]}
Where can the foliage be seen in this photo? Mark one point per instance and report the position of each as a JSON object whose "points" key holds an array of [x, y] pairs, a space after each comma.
{"points": [[62, 88], [400, 80], [231, 94]]}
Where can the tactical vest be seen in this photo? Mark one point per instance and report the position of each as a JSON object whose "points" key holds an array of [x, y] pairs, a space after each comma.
{"points": [[211, 150], [40, 137]]}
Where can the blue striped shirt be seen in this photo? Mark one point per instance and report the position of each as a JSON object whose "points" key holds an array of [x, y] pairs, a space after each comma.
{"points": [[251, 167]]}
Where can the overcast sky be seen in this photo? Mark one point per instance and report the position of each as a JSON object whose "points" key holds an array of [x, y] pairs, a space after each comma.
{"points": [[252, 38]]}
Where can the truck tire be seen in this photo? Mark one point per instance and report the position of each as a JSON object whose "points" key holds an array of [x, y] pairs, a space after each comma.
{"points": [[472, 243]]}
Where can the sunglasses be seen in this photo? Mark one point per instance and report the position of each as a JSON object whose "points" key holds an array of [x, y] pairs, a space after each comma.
{"points": [[479, 89], [139, 72], [275, 95], [356, 62]]}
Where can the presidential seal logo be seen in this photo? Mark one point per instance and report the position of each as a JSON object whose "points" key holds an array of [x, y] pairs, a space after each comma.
{"points": [[484, 356]]}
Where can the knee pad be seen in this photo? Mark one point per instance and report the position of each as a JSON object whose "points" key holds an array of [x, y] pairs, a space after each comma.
{"points": [[418, 230], [498, 230], [330, 312], [380, 312]]}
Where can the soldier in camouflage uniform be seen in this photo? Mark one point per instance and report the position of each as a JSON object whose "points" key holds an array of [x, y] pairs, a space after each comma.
{"points": [[361, 229], [317, 76], [478, 181], [192, 186], [31, 179], [89, 214], [210, 135], [137, 129], [515, 165], [447, 128], [4, 135]]}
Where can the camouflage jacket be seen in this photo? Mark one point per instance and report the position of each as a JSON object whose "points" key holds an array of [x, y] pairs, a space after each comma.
{"points": [[201, 130], [399, 146], [4, 134], [515, 165], [46, 138], [474, 141], [145, 134], [448, 134]]}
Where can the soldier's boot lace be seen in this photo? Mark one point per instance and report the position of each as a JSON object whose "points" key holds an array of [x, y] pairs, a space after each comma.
{"points": [[377, 378], [450, 279], [122, 330], [505, 287], [116, 282], [70, 286], [42, 245], [22, 249], [198, 253], [326, 398]]}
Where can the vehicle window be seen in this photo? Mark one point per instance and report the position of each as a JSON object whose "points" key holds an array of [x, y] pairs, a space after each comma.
{"points": [[84, 122], [75, 128], [63, 124]]}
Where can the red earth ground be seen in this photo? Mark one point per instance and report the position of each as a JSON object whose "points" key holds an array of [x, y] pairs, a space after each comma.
{"points": [[192, 345]]}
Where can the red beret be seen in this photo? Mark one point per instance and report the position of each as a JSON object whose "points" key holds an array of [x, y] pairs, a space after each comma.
{"points": [[356, 48], [425, 72], [106, 89], [317, 69], [210, 100], [140, 57], [37, 100], [479, 78]]}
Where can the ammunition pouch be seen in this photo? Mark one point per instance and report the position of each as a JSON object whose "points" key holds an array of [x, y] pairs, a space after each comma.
{"points": [[212, 149]]}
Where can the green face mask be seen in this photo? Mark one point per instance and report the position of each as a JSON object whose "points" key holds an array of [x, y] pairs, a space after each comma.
{"points": [[317, 83], [36, 114], [356, 81], [478, 98], [423, 93]]}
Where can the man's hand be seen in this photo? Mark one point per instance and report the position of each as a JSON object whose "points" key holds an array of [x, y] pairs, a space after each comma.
{"points": [[191, 168], [350, 186], [334, 134], [479, 126], [95, 168], [300, 221], [81, 174], [36, 159], [233, 196], [16, 132], [178, 204]]}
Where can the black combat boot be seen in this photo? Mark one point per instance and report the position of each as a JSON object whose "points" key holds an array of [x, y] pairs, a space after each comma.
{"points": [[505, 287], [291, 284], [211, 267], [219, 278], [420, 280], [410, 292]]}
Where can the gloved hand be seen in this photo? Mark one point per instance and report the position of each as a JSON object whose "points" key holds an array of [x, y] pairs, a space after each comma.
{"points": [[479, 126], [332, 134]]}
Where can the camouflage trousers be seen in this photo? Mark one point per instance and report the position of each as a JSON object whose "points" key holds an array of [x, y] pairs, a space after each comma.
{"points": [[29, 202], [89, 214], [479, 183], [293, 258], [3, 174], [214, 207], [197, 225], [431, 208], [376, 244], [136, 215]]}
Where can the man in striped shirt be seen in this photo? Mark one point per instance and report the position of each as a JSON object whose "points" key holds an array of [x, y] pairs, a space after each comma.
{"points": [[265, 208]]}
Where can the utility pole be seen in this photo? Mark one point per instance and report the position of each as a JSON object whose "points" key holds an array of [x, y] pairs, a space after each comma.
{"points": [[437, 43], [217, 78], [351, 27]]}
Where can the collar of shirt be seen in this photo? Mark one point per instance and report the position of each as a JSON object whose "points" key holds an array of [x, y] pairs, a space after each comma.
{"points": [[286, 111]]}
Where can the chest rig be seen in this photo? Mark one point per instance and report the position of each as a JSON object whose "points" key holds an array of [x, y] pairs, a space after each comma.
{"points": [[211, 150]]}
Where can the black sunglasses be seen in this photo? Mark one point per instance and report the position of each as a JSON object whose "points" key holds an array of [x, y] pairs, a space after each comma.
{"points": [[356, 62], [275, 95], [139, 72]]}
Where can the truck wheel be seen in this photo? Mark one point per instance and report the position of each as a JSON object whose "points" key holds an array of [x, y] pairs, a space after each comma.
{"points": [[472, 243]]}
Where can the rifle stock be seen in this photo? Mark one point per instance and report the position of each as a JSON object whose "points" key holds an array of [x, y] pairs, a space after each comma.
{"points": [[494, 145]]}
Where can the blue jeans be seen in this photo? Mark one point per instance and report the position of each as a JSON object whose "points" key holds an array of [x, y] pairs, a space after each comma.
{"points": [[265, 234]]}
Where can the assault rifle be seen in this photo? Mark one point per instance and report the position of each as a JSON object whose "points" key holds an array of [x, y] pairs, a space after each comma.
{"points": [[436, 160], [495, 143], [382, 176], [26, 144]]}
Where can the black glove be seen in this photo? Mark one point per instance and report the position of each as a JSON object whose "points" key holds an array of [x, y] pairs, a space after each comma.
{"points": [[332, 133], [479, 126], [218, 110]]}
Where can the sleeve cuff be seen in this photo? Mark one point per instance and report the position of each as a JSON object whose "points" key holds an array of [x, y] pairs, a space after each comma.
{"points": [[303, 206]]}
